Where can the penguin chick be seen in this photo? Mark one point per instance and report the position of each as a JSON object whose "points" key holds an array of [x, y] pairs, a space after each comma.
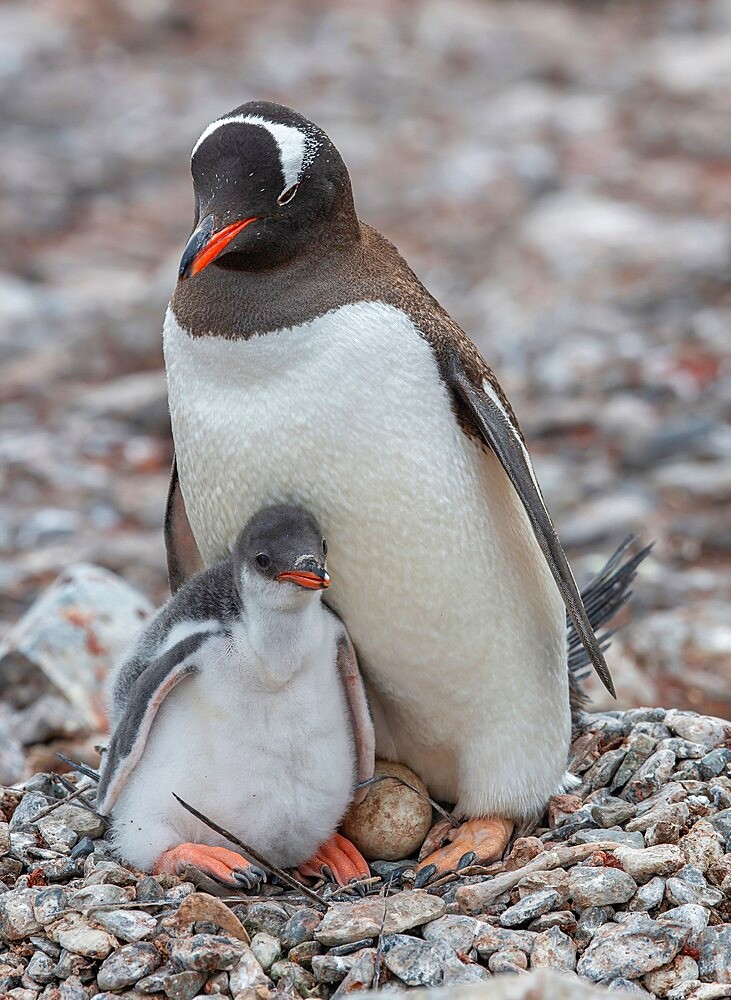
{"points": [[243, 696]]}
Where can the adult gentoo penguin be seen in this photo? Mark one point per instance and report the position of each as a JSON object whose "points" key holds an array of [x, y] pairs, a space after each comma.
{"points": [[243, 696], [306, 363]]}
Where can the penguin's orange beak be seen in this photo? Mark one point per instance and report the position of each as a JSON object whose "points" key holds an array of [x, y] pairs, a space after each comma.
{"points": [[205, 244], [316, 578]]}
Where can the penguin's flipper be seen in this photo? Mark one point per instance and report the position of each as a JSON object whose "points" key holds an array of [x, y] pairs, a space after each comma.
{"points": [[489, 414], [148, 692], [184, 559], [364, 735]]}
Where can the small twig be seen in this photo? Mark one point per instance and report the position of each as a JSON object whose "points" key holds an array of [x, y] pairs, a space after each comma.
{"points": [[395, 777], [78, 766], [59, 802], [379, 946], [285, 877], [355, 886]]}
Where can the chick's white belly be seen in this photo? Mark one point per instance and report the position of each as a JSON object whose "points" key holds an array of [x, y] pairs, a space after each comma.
{"points": [[276, 768], [458, 624]]}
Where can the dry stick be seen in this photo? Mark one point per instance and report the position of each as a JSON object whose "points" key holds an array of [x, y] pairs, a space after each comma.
{"points": [[293, 883], [395, 777], [472, 898], [59, 802], [82, 799]]}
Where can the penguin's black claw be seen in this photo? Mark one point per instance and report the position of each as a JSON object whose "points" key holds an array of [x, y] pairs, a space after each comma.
{"points": [[424, 876], [250, 877], [466, 860]]}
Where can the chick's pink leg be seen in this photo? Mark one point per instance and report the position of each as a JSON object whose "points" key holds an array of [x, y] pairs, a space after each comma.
{"points": [[226, 867], [342, 858]]}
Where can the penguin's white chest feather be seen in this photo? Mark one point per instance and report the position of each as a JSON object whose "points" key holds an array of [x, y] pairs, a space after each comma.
{"points": [[263, 745], [458, 625]]}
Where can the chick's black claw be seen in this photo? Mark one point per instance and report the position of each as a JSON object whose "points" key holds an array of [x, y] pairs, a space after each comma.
{"points": [[466, 860], [424, 876], [327, 873], [360, 889], [251, 877]]}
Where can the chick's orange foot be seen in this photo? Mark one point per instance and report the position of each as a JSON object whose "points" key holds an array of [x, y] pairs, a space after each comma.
{"points": [[226, 867], [476, 841], [337, 859]]}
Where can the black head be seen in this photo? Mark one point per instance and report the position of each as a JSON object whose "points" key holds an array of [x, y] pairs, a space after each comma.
{"points": [[267, 183], [282, 545]]}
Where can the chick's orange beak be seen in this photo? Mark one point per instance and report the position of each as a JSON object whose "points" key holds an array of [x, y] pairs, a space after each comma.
{"points": [[318, 580], [205, 244]]}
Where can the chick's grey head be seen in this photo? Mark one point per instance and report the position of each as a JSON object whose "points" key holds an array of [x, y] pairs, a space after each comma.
{"points": [[280, 554], [267, 183]]}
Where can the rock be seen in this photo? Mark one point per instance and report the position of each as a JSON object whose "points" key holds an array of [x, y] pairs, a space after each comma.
{"points": [[82, 821], [676, 813], [530, 907], [600, 886], [97, 895], [554, 950], [148, 890], [130, 963], [333, 968], [267, 917], [412, 960], [563, 919], [360, 976], [205, 953], [17, 917], [701, 846], [694, 989], [108, 873], [715, 954], [621, 837], [41, 968], [305, 952], [49, 904], [494, 939], [300, 927], [127, 925], [612, 812], [246, 973], [454, 931], [56, 834], [721, 822], [698, 728], [649, 895], [292, 978], [346, 922], [681, 890], [393, 820], [636, 949], [639, 747], [74, 633], [663, 980], [663, 859], [690, 915], [27, 812], [76, 935], [266, 948], [651, 775], [184, 985], [509, 960], [714, 763]]}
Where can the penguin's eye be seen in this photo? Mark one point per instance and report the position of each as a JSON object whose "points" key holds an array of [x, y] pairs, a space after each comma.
{"points": [[286, 196], [263, 560], [324, 546]]}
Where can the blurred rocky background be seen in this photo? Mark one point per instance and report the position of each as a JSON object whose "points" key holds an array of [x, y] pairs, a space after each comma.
{"points": [[559, 175]]}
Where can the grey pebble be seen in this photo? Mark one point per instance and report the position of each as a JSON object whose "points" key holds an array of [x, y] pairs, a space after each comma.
{"points": [[715, 954], [24, 817], [615, 836], [639, 747], [148, 890], [246, 973], [49, 904], [267, 917], [126, 965], [292, 978], [649, 895], [127, 925], [600, 886], [455, 931], [509, 960], [590, 921], [41, 967], [494, 939], [204, 953], [530, 907], [636, 947], [554, 950], [299, 927], [17, 917], [267, 949], [184, 985], [412, 960]]}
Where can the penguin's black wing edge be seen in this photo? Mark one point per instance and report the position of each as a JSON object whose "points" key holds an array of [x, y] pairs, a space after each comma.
{"points": [[183, 557], [147, 694], [502, 436]]}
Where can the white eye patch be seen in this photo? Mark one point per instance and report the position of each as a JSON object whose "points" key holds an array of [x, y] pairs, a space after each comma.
{"points": [[296, 148]]}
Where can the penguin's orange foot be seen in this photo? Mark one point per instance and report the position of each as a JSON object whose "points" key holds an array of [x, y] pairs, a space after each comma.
{"points": [[477, 841], [226, 867], [338, 860]]}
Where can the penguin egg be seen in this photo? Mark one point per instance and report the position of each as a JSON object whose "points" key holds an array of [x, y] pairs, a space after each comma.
{"points": [[390, 824]]}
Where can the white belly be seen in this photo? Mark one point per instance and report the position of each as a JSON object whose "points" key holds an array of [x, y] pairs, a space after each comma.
{"points": [[275, 767], [457, 622]]}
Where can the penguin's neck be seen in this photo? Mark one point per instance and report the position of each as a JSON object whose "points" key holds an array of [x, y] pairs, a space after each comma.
{"points": [[284, 639]]}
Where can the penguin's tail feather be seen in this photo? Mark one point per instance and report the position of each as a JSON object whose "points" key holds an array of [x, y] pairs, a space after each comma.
{"points": [[603, 597]]}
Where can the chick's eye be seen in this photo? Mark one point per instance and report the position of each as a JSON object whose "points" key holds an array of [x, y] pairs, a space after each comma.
{"points": [[263, 560], [286, 196], [324, 547]]}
